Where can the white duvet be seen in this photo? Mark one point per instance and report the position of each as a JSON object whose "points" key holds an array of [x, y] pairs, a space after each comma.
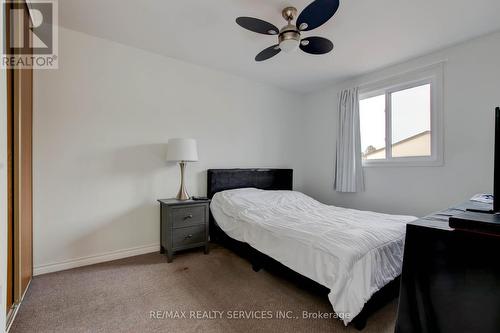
{"points": [[353, 253]]}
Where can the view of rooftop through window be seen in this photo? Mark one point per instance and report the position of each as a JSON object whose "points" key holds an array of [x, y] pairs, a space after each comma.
{"points": [[410, 120]]}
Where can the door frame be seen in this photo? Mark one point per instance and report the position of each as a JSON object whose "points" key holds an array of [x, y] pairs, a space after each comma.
{"points": [[10, 161]]}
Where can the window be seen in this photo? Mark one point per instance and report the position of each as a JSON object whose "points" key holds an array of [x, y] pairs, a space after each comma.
{"points": [[400, 120]]}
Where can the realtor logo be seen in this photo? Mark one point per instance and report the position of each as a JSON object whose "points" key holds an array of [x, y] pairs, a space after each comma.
{"points": [[33, 34]]}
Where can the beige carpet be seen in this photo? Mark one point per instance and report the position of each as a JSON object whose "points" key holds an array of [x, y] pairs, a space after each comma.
{"points": [[120, 296]]}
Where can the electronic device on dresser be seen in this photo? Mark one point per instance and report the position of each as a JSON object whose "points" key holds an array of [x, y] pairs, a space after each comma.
{"points": [[478, 219]]}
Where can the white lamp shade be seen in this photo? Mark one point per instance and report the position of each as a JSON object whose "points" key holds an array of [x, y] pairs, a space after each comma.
{"points": [[182, 150]]}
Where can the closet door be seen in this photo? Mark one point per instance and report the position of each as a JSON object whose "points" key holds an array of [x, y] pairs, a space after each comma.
{"points": [[20, 184]]}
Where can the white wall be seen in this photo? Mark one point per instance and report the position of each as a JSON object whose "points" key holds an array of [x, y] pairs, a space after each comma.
{"points": [[101, 123], [471, 92], [3, 188]]}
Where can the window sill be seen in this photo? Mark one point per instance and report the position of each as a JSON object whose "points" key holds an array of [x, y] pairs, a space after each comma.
{"points": [[410, 162]]}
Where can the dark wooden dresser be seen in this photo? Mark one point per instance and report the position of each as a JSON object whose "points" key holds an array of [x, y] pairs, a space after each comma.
{"points": [[183, 225], [451, 278]]}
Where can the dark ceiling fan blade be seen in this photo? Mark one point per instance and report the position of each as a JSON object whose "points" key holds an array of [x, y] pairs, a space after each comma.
{"points": [[257, 25], [316, 14], [316, 45], [270, 52]]}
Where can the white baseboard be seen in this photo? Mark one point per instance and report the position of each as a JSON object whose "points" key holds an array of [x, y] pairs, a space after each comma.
{"points": [[94, 259]]}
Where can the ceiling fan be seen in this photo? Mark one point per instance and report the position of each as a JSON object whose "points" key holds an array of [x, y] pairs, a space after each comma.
{"points": [[289, 37]]}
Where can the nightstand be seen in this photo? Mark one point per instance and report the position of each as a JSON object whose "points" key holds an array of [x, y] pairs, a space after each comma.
{"points": [[183, 225]]}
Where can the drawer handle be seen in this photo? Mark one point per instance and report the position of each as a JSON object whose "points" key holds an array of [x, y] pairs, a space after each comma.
{"points": [[190, 216], [188, 237]]}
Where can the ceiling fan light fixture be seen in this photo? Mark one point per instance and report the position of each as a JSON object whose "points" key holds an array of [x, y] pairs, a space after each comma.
{"points": [[289, 45], [289, 40]]}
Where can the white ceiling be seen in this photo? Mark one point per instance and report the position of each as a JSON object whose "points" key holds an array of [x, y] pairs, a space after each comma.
{"points": [[367, 34]]}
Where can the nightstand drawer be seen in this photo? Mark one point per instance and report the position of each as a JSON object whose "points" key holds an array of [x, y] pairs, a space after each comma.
{"points": [[188, 216], [190, 235]]}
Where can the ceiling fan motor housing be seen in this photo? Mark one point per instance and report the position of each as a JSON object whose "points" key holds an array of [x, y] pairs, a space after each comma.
{"points": [[289, 38]]}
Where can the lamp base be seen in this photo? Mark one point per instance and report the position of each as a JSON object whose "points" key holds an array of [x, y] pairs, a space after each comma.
{"points": [[182, 195]]}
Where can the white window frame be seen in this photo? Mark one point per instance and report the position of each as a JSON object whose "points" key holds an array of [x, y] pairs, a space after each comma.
{"points": [[432, 75]]}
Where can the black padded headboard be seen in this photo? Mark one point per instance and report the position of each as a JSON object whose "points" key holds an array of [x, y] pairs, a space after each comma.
{"points": [[265, 179]]}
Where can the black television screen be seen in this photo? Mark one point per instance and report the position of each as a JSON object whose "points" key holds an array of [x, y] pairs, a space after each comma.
{"points": [[496, 176]]}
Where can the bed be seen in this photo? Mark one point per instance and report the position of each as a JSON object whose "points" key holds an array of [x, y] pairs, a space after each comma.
{"points": [[355, 255]]}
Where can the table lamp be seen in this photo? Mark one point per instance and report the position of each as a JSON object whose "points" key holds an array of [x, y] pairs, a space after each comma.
{"points": [[182, 151]]}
